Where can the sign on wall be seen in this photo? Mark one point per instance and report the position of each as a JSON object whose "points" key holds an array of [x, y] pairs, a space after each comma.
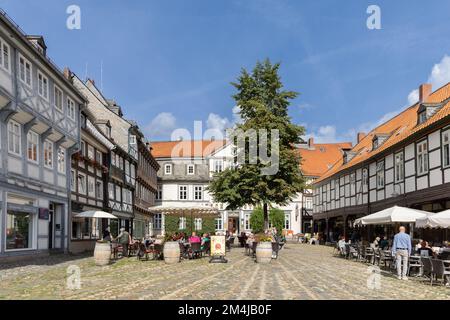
{"points": [[43, 214]]}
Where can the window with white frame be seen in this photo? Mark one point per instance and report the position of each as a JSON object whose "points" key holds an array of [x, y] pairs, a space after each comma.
{"points": [[25, 71], [287, 221], [14, 137], [247, 224], [219, 224], [61, 160], [446, 148], [308, 203], [99, 189], [98, 157], [159, 192], [352, 183], [198, 224], [83, 148], [157, 221], [70, 109], [380, 174], [58, 99], [81, 178], [365, 177], [190, 169], [118, 194], [91, 153], [167, 169], [4, 55], [91, 186], [182, 223], [111, 191], [399, 167], [72, 180], [33, 146], [113, 159], [218, 166], [198, 192], [422, 157], [42, 85], [182, 192], [48, 153]]}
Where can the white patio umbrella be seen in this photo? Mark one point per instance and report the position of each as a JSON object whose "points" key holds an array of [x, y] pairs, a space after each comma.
{"points": [[438, 220], [96, 214], [393, 215]]}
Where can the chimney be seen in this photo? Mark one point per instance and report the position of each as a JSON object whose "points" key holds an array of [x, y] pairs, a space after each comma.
{"points": [[361, 136], [310, 142], [424, 92], [67, 73]]}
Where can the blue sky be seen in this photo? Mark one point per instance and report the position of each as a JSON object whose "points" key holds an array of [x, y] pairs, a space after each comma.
{"points": [[169, 63]]}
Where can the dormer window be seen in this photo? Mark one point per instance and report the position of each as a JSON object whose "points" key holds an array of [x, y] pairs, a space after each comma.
{"points": [[378, 140], [348, 156], [426, 111], [168, 169]]}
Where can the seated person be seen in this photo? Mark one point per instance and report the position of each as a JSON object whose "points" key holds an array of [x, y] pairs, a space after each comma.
{"points": [[384, 243], [194, 238], [425, 250], [205, 241], [341, 244], [376, 243]]}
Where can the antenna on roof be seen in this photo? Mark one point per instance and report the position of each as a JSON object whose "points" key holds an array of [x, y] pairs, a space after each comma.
{"points": [[101, 75], [86, 72]]}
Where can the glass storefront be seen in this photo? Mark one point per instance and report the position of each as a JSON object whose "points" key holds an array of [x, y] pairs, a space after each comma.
{"points": [[85, 228], [18, 230]]}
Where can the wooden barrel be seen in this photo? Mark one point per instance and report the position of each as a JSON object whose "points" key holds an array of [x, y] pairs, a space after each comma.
{"points": [[264, 252], [171, 252], [102, 253]]}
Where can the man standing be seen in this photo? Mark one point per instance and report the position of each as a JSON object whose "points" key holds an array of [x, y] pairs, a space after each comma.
{"points": [[401, 250], [124, 239]]}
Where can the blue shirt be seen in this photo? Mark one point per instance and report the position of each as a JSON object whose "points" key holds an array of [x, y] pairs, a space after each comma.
{"points": [[401, 240]]}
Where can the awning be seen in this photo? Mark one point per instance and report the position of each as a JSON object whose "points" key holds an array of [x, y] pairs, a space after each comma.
{"points": [[197, 211], [393, 215], [438, 220], [96, 214]]}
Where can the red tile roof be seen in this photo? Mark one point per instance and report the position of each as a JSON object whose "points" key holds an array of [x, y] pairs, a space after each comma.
{"points": [[398, 129], [185, 149], [319, 158]]}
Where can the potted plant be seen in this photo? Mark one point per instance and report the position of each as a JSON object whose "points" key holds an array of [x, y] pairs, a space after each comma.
{"points": [[102, 253], [264, 249]]}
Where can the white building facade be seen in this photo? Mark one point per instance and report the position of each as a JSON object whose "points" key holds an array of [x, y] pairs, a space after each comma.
{"points": [[39, 130]]}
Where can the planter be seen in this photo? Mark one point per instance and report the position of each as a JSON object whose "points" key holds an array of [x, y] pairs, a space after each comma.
{"points": [[171, 252], [102, 253], [264, 252]]}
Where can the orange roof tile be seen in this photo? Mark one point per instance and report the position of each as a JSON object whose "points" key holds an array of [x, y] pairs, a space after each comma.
{"points": [[185, 149], [398, 128], [319, 158]]}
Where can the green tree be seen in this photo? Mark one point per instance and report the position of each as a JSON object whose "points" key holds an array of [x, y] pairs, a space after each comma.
{"points": [[263, 106], [276, 218]]}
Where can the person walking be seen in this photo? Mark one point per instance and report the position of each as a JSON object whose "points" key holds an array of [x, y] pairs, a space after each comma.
{"points": [[401, 250], [124, 239]]}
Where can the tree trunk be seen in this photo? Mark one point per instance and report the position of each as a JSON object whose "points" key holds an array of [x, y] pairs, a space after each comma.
{"points": [[266, 216]]}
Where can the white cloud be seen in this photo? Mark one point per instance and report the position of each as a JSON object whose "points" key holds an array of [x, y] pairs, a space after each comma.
{"points": [[216, 122], [324, 134], [439, 76], [162, 125]]}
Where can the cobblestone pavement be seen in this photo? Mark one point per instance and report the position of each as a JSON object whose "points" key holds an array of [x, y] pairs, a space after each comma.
{"points": [[301, 272]]}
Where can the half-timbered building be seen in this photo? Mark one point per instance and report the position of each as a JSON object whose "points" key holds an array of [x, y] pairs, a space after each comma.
{"points": [[404, 161]]}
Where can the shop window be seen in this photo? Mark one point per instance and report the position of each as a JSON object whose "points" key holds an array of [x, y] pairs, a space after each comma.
{"points": [[18, 230]]}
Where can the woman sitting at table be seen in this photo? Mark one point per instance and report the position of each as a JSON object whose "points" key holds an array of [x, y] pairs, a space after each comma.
{"points": [[205, 242], [384, 243], [425, 250], [194, 238]]}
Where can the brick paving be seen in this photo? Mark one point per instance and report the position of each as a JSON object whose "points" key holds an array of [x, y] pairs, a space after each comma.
{"points": [[301, 272]]}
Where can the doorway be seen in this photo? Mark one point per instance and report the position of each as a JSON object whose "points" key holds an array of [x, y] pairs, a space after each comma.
{"points": [[51, 221], [233, 225]]}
